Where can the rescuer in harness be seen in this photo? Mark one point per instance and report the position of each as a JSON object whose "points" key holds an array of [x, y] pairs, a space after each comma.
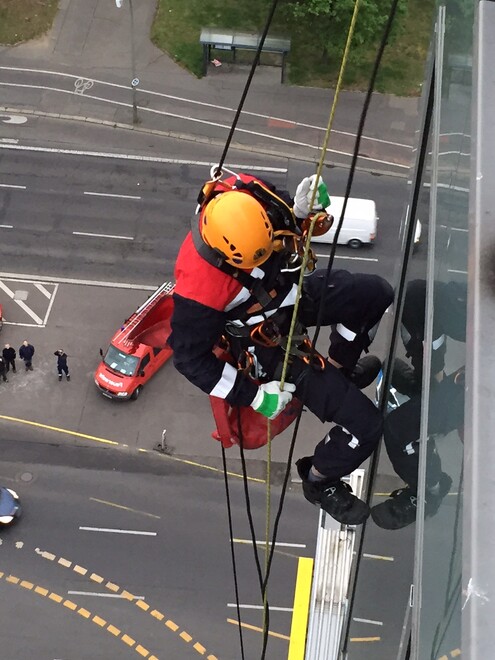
{"points": [[236, 283]]}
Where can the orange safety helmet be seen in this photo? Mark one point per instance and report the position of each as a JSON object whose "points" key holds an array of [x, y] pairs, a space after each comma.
{"points": [[236, 225]]}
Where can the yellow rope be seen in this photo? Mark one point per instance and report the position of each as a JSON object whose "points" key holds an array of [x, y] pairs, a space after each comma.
{"points": [[313, 196], [299, 287]]}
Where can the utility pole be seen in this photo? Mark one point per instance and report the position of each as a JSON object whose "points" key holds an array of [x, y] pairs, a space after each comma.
{"points": [[135, 80]]}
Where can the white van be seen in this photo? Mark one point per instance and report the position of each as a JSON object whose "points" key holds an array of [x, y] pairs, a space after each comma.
{"points": [[359, 226]]}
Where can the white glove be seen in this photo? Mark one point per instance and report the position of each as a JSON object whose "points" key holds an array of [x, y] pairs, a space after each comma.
{"points": [[304, 192], [270, 400]]}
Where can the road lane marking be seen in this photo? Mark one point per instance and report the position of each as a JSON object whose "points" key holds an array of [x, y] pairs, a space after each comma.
{"points": [[146, 159], [184, 461], [277, 543], [365, 639], [109, 530], [58, 430], [21, 304], [9, 140], [101, 595], [260, 607], [11, 185], [209, 105], [7, 226], [84, 233], [370, 621], [341, 256], [42, 290], [248, 626], [138, 601], [206, 122], [97, 194], [125, 508], [380, 557], [82, 611], [300, 615], [69, 280]]}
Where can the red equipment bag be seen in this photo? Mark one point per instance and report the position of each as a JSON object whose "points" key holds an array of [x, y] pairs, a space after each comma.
{"points": [[254, 426]]}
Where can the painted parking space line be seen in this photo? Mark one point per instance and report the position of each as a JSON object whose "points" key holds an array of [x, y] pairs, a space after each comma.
{"points": [[21, 304], [42, 290], [109, 530], [42, 314]]}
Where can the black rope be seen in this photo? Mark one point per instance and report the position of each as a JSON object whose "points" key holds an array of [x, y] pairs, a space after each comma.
{"points": [[232, 550], [350, 180], [247, 86]]}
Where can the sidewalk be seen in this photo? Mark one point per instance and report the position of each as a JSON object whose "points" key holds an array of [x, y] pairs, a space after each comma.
{"points": [[91, 38]]}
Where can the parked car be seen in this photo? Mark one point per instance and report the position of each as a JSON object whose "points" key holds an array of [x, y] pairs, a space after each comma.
{"points": [[359, 225], [138, 349], [10, 506]]}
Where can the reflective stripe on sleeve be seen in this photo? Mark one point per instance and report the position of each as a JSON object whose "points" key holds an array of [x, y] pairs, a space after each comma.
{"points": [[345, 332], [226, 382], [436, 343]]}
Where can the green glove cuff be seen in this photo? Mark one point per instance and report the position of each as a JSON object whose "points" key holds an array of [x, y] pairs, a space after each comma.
{"points": [[269, 404]]}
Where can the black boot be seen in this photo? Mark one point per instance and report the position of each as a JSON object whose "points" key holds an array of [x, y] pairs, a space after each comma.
{"points": [[401, 507], [366, 370], [334, 497], [60, 378]]}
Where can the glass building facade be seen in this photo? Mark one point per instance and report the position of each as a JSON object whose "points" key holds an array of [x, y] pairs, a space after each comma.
{"points": [[438, 389]]}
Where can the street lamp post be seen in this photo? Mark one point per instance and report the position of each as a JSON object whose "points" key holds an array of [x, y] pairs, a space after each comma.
{"points": [[135, 80]]}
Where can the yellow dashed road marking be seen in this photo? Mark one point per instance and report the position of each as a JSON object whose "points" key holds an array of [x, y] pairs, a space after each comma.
{"points": [[27, 585], [456, 653], [70, 605], [82, 611], [257, 629], [114, 588], [365, 639], [128, 640]]}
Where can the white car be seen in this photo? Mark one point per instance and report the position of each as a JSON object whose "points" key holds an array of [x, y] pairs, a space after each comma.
{"points": [[359, 226]]}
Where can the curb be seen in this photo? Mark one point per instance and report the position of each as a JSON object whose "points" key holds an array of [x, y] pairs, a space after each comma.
{"points": [[198, 139]]}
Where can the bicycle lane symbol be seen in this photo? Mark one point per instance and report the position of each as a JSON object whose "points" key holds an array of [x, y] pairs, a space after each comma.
{"points": [[82, 85]]}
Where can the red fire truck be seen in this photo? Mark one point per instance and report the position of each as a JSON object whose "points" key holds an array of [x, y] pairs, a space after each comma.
{"points": [[138, 349]]}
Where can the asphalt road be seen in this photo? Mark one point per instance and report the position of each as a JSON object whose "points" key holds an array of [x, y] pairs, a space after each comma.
{"points": [[116, 220], [51, 226], [172, 555]]}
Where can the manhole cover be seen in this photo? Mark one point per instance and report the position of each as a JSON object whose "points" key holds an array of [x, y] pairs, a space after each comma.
{"points": [[26, 476]]}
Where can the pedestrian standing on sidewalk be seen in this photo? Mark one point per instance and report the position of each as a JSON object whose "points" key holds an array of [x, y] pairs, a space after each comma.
{"points": [[62, 365], [3, 370], [9, 355], [26, 353]]}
